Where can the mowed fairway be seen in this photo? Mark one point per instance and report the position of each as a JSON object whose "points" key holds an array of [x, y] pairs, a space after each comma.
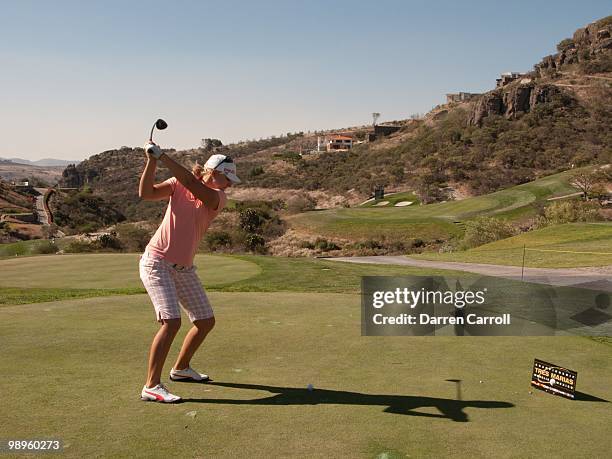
{"points": [[560, 246], [73, 370], [433, 221]]}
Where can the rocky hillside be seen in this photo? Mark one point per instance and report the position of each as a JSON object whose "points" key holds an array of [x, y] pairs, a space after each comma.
{"points": [[587, 53], [552, 118], [514, 100], [588, 50]]}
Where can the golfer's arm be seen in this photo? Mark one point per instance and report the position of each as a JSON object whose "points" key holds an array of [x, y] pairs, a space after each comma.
{"points": [[208, 196], [145, 189]]}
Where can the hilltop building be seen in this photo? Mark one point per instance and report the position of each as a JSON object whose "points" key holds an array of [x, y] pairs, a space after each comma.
{"points": [[507, 77], [338, 142], [461, 97]]}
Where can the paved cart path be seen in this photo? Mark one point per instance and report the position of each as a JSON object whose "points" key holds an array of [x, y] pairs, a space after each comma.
{"points": [[595, 278]]}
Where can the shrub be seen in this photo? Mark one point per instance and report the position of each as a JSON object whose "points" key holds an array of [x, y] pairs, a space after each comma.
{"points": [[416, 243], [289, 156], [218, 240], [44, 247], [324, 245], [306, 245], [132, 238], [300, 203], [483, 230], [108, 241], [273, 227], [369, 244], [264, 206], [79, 247], [571, 211], [255, 243], [251, 220], [87, 228], [397, 246], [256, 171], [596, 66]]}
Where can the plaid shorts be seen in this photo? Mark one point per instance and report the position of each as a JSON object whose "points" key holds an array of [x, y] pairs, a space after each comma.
{"points": [[168, 284]]}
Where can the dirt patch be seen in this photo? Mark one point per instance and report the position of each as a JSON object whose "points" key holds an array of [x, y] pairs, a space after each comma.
{"points": [[460, 191], [324, 199], [26, 230], [296, 244]]}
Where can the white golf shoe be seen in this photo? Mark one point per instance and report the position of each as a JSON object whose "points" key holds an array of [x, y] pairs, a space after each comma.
{"points": [[188, 374], [158, 393]]}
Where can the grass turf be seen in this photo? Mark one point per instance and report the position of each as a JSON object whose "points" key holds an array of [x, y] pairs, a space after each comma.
{"points": [[542, 246], [74, 369]]}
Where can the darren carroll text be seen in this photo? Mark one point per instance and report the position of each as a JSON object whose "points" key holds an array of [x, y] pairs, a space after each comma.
{"points": [[426, 319]]}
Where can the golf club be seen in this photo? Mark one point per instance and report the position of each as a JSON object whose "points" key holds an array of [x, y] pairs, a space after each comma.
{"points": [[151, 147]]}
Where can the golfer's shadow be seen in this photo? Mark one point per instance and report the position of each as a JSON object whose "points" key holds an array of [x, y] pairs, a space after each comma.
{"points": [[397, 404]]}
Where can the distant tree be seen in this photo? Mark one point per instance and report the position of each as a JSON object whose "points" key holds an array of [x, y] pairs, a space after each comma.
{"points": [[603, 180], [585, 182], [565, 44], [210, 144]]}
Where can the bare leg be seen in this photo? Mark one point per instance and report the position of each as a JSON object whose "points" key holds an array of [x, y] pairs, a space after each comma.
{"points": [[160, 348], [192, 342]]}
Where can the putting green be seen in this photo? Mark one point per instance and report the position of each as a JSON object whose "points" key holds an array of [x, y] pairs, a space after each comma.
{"points": [[57, 277], [108, 271], [73, 370]]}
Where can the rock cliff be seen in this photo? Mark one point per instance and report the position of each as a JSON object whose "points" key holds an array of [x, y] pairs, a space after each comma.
{"points": [[590, 46], [511, 101]]}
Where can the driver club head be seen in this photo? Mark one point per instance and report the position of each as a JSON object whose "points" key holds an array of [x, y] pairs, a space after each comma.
{"points": [[159, 124]]}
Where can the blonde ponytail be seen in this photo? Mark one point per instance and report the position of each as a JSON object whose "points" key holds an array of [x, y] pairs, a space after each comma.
{"points": [[200, 171], [197, 170]]}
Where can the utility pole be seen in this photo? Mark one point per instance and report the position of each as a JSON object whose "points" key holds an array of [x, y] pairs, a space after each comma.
{"points": [[523, 265]]}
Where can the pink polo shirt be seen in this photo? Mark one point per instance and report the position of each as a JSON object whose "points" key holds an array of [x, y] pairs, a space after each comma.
{"points": [[185, 222]]}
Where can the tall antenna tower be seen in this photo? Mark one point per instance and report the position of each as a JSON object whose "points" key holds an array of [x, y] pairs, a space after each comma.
{"points": [[375, 117]]}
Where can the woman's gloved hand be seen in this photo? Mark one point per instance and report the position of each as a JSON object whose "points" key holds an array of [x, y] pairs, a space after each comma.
{"points": [[153, 149]]}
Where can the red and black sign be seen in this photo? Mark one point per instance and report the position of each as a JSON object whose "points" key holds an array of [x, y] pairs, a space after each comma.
{"points": [[554, 379]]}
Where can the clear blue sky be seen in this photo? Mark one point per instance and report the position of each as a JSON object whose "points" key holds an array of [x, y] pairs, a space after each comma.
{"points": [[81, 77]]}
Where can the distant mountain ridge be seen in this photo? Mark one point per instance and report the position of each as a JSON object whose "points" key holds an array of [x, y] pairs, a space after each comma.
{"points": [[45, 162]]}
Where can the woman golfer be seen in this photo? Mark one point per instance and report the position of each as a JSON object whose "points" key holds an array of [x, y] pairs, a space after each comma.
{"points": [[166, 266]]}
